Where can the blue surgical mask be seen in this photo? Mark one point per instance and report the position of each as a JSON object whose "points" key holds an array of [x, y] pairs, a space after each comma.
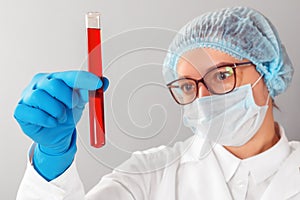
{"points": [[230, 120]]}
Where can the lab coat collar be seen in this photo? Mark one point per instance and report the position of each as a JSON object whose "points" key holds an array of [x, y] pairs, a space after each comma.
{"points": [[227, 161], [203, 177], [284, 184], [260, 166], [263, 165]]}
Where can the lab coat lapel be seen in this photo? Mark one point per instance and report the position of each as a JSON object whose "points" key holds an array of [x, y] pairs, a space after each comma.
{"points": [[202, 179], [286, 182]]}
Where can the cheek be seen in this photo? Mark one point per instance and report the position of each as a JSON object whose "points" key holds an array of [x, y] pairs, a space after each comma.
{"points": [[260, 93], [239, 78]]}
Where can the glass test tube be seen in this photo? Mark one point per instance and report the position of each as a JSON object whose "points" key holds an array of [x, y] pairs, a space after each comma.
{"points": [[96, 100]]}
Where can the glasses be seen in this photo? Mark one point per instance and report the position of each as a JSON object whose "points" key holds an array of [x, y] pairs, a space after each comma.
{"points": [[219, 80]]}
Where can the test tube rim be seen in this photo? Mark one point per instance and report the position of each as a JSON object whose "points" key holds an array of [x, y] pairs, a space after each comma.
{"points": [[92, 20]]}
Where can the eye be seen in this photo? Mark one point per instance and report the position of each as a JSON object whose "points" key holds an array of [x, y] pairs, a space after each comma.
{"points": [[224, 73], [187, 88]]}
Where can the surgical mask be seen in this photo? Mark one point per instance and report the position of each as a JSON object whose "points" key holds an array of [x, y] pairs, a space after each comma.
{"points": [[230, 120]]}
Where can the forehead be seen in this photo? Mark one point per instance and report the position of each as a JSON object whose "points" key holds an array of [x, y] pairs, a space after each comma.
{"points": [[197, 62]]}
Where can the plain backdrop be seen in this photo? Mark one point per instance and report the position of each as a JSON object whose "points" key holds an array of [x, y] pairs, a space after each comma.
{"points": [[47, 36]]}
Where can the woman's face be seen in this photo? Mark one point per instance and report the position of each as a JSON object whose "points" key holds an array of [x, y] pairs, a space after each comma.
{"points": [[197, 62]]}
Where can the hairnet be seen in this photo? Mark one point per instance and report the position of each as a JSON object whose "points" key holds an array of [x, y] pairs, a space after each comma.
{"points": [[240, 32]]}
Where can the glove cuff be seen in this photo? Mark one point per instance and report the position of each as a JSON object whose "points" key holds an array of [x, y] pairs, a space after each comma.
{"points": [[51, 166]]}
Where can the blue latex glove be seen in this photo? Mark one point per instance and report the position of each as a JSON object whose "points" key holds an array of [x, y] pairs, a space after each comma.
{"points": [[48, 112]]}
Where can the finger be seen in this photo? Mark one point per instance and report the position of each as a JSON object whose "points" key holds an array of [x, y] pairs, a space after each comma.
{"points": [[105, 83], [33, 82], [79, 79], [42, 100], [84, 96], [28, 114], [29, 129], [59, 90], [84, 93]]}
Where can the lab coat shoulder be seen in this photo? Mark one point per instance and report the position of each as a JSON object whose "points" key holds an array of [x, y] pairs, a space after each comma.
{"points": [[149, 174], [286, 182], [158, 160], [162, 157]]}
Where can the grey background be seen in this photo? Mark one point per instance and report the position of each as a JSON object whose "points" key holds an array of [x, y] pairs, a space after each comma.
{"points": [[47, 36]]}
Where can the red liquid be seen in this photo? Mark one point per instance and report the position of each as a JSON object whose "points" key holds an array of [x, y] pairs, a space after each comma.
{"points": [[96, 100]]}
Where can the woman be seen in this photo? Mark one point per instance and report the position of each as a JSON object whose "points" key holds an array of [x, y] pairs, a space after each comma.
{"points": [[225, 67]]}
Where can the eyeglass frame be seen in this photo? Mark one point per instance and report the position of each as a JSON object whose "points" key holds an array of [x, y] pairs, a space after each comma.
{"points": [[232, 65]]}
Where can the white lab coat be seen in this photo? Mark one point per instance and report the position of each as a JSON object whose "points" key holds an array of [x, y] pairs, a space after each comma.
{"points": [[162, 173]]}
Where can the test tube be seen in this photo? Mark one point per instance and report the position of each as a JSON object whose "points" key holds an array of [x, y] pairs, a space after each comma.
{"points": [[96, 100]]}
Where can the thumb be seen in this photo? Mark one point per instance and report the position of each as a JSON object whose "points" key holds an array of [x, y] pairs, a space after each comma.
{"points": [[79, 79]]}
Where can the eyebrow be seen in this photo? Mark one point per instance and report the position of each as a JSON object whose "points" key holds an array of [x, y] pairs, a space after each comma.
{"points": [[179, 77], [213, 66], [223, 63]]}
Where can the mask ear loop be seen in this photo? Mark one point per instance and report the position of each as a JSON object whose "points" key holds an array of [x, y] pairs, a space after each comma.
{"points": [[268, 99], [255, 83]]}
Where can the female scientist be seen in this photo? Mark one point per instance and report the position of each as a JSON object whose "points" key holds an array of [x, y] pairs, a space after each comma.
{"points": [[225, 68]]}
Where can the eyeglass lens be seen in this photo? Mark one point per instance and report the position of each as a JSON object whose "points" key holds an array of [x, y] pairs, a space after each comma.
{"points": [[219, 80]]}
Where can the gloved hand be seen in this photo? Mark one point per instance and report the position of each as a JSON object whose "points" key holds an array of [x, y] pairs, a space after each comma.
{"points": [[48, 112]]}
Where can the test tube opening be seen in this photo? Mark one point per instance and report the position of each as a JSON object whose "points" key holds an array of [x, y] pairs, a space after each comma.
{"points": [[93, 20]]}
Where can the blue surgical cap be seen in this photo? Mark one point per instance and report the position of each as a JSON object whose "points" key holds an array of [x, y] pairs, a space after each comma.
{"points": [[241, 32]]}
